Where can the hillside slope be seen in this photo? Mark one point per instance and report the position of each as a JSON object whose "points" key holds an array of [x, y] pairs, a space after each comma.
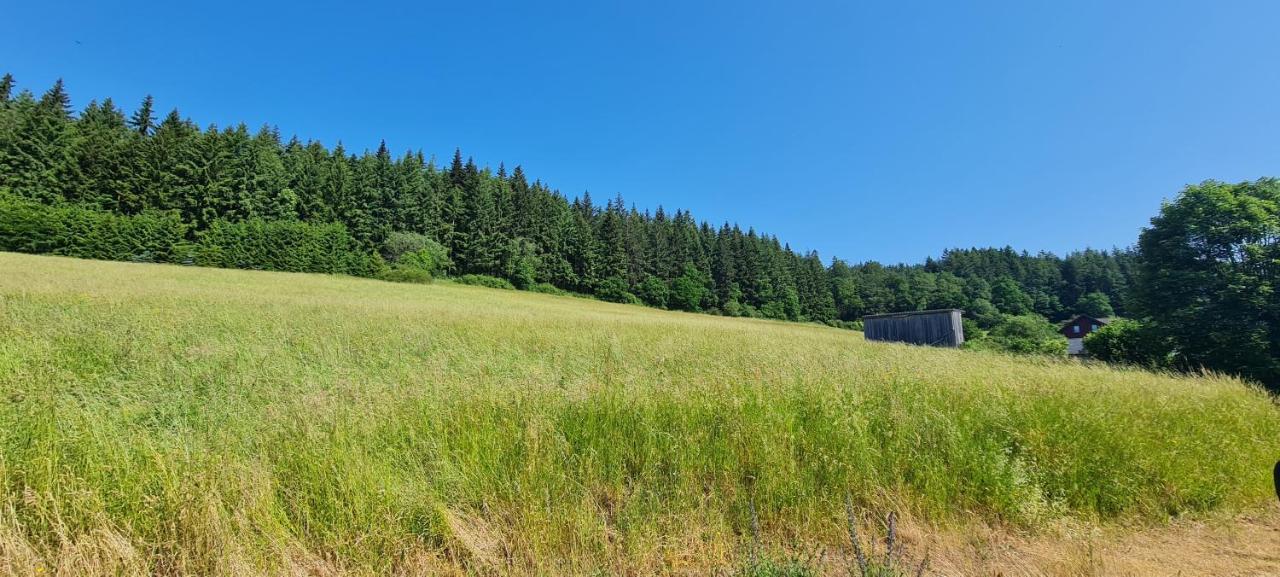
{"points": [[163, 419]]}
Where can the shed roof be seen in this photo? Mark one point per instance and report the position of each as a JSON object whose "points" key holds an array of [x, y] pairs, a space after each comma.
{"points": [[911, 313]]}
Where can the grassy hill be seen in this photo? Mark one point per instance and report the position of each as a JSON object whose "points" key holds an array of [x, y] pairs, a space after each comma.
{"points": [[173, 420]]}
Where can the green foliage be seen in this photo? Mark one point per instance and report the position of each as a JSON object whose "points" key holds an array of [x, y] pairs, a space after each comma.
{"points": [[548, 288], [1024, 334], [27, 226], [431, 261], [690, 290], [614, 289], [414, 258], [485, 281], [522, 263], [653, 292], [400, 243], [983, 314], [284, 246], [1128, 342], [1208, 277], [973, 330], [1095, 304], [786, 566], [1009, 298], [406, 275]]}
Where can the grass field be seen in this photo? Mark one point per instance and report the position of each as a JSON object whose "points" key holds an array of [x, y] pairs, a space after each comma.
{"points": [[170, 420]]}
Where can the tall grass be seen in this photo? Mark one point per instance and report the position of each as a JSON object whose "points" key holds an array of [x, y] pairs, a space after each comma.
{"points": [[177, 420]]}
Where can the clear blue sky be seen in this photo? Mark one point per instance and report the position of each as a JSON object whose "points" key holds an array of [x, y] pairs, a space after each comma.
{"points": [[838, 126]]}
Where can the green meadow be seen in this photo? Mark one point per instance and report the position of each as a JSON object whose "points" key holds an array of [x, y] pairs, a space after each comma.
{"points": [[186, 421]]}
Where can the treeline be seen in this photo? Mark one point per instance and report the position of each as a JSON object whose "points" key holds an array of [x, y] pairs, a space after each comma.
{"points": [[229, 197]]}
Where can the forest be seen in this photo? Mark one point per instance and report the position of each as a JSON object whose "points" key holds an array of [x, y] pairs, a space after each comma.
{"points": [[144, 186], [254, 200]]}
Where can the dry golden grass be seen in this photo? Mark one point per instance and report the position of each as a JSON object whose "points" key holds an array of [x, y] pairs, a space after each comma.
{"points": [[182, 421]]}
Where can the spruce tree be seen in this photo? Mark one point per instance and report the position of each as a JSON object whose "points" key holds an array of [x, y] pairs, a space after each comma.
{"points": [[100, 152], [57, 101], [143, 120], [6, 89]]}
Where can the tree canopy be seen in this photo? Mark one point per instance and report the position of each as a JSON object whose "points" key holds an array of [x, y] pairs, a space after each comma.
{"points": [[1207, 280]]}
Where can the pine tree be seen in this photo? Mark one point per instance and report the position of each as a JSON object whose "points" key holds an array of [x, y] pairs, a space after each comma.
{"points": [[6, 89], [56, 101], [142, 120], [36, 155], [174, 170], [100, 153]]}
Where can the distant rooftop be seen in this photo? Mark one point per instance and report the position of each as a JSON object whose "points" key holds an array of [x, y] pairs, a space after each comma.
{"points": [[910, 313]]}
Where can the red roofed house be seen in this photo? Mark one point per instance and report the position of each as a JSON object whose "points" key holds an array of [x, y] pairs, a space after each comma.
{"points": [[1077, 328]]}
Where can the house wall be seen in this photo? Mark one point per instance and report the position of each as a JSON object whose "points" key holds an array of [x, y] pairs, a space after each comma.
{"points": [[937, 328], [1076, 331], [1085, 325]]}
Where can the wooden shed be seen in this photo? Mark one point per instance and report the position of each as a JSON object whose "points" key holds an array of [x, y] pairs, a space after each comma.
{"points": [[938, 328]]}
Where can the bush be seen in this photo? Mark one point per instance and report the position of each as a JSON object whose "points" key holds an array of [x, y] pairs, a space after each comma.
{"points": [[1024, 334], [854, 325], [614, 290], [406, 275], [485, 280], [400, 243], [973, 330], [1128, 342], [653, 292], [409, 250], [548, 288], [690, 289]]}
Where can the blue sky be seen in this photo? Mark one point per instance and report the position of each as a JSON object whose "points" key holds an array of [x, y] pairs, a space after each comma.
{"points": [[887, 130]]}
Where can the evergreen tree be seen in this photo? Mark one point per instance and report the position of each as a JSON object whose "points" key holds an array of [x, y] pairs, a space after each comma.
{"points": [[100, 154], [6, 89], [143, 121]]}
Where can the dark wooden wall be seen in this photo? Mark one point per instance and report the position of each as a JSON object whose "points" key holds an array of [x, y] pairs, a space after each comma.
{"points": [[1086, 326], [935, 328]]}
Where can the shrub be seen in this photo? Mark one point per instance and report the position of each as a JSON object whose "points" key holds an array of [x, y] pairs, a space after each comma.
{"points": [[400, 243], [485, 280], [406, 275], [548, 288], [1024, 334], [653, 292], [614, 290], [1129, 342], [690, 289], [855, 325], [415, 251]]}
